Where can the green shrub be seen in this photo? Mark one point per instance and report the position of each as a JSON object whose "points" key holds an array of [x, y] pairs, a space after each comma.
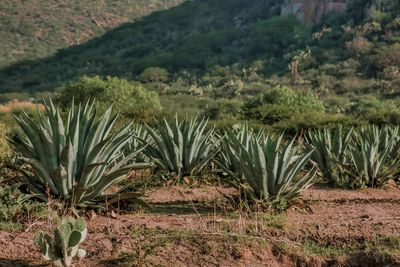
{"points": [[336, 104], [16, 206], [279, 104], [375, 111], [128, 98], [270, 114], [5, 149], [389, 56], [154, 75], [221, 109], [314, 120]]}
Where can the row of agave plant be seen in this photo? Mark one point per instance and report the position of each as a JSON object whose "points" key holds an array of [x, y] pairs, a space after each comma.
{"points": [[356, 158], [77, 160]]}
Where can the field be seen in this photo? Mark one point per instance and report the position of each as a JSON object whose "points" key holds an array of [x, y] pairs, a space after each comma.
{"points": [[189, 227], [82, 189], [199, 133]]}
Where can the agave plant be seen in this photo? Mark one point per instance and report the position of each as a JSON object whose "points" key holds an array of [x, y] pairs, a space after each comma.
{"points": [[329, 152], [270, 168], [244, 135], [372, 161], [135, 145], [74, 162], [181, 147], [387, 137]]}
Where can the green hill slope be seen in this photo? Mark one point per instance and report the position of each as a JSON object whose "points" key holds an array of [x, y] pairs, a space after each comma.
{"points": [[37, 28], [353, 51], [167, 38]]}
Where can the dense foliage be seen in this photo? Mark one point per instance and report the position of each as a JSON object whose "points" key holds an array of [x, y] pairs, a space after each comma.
{"points": [[129, 99], [38, 28], [198, 36], [210, 57], [281, 104]]}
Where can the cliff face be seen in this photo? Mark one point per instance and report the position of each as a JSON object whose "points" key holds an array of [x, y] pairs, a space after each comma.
{"points": [[311, 11]]}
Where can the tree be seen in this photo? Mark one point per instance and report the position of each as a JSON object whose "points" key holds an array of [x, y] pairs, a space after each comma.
{"points": [[281, 103], [359, 46], [155, 75], [130, 99]]}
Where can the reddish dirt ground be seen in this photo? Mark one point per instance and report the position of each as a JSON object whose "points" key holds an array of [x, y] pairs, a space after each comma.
{"points": [[188, 234], [340, 215]]}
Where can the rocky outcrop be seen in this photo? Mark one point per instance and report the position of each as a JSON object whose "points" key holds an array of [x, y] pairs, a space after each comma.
{"points": [[310, 12]]}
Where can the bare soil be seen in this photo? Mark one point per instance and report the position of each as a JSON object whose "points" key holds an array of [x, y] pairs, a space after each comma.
{"points": [[187, 227]]}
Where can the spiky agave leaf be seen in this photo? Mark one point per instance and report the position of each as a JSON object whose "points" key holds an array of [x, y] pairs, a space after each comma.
{"points": [[243, 134], [133, 150], [371, 161], [329, 152], [181, 147], [269, 169], [77, 160]]}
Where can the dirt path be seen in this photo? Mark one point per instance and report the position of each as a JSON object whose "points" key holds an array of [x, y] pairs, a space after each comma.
{"points": [[333, 227]]}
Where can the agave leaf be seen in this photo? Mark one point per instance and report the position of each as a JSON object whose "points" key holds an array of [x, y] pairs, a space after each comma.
{"points": [[267, 168], [78, 158], [181, 147]]}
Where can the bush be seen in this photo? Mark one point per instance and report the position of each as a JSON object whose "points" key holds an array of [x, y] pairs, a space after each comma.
{"points": [[375, 111], [389, 56], [130, 99], [222, 108], [155, 75], [14, 205], [281, 103], [336, 103], [359, 46], [5, 149], [313, 120]]}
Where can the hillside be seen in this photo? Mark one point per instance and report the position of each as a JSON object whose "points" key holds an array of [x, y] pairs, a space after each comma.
{"points": [[355, 52], [164, 38], [38, 28]]}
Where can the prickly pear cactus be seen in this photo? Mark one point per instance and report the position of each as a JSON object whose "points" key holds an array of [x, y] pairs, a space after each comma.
{"points": [[65, 245]]}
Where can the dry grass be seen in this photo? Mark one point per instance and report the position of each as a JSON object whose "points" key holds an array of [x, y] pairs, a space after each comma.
{"points": [[17, 105]]}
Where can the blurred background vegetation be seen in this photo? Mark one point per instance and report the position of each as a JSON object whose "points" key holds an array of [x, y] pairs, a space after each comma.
{"points": [[230, 60]]}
